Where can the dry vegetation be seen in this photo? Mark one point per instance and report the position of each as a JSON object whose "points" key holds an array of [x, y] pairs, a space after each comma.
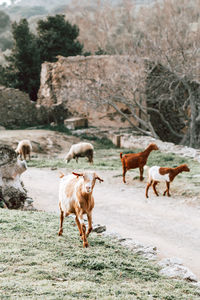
{"points": [[167, 33]]}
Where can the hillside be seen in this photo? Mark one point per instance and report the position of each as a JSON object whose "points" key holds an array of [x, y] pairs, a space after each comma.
{"points": [[37, 264]]}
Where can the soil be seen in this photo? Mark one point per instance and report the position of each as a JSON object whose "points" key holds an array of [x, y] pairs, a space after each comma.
{"points": [[170, 224]]}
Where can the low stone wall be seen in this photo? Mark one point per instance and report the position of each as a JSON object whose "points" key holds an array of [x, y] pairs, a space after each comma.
{"points": [[130, 141], [17, 110]]}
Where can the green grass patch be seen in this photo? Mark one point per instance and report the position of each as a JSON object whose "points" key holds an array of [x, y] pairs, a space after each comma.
{"points": [[109, 159], [35, 263]]}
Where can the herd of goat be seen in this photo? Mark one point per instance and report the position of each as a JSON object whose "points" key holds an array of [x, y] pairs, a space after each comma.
{"points": [[75, 190]]}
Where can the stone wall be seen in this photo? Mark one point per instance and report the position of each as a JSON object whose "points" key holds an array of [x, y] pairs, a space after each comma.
{"points": [[16, 110], [80, 83]]}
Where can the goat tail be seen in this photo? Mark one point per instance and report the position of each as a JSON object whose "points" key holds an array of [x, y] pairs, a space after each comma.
{"points": [[61, 174], [121, 155]]}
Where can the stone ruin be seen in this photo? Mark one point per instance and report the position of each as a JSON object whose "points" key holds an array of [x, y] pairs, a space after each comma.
{"points": [[12, 192], [17, 110]]}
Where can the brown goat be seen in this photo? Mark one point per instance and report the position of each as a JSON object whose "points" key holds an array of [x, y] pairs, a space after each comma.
{"points": [[158, 174], [136, 160]]}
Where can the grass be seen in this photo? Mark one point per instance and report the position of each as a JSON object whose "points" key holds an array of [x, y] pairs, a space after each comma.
{"points": [[108, 159], [37, 264]]}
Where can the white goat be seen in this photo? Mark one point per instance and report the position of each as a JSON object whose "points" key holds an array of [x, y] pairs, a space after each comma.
{"points": [[75, 197], [24, 148], [80, 150]]}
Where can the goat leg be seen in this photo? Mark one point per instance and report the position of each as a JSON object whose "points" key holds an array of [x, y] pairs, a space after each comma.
{"points": [[89, 224], [85, 242], [61, 222], [124, 174], [141, 173], [82, 229], [167, 190], [79, 226], [147, 188], [154, 187]]}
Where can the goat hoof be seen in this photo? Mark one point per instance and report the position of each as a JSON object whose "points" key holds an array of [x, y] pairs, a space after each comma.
{"points": [[60, 233], [85, 244]]}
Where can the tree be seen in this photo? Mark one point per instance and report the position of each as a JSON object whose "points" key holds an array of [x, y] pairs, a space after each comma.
{"points": [[172, 39], [166, 34], [23, 71], [57, 37], [4, 21]]}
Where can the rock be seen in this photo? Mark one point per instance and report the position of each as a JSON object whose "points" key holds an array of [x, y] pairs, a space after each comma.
{"points": [[74, 123], [149, 252], [12, 191], [13, 197], [173, 268], [14, 104], [170, 261], [29, 200], [99, 228], [113, 235]]}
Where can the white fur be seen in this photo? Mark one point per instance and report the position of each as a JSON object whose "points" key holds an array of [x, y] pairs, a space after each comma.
{"points": [[66, 182], [63, 200], [78, 149], [155, 175]]}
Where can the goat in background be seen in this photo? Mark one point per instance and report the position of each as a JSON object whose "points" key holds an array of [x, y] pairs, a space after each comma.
{"points": [[136, 160]]}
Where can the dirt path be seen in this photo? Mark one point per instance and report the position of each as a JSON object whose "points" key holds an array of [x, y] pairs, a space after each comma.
{"points": [[167, 223]]}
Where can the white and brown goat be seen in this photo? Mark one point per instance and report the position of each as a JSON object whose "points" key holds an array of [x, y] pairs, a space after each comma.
{"points": [[158, 174], [75, 197]]}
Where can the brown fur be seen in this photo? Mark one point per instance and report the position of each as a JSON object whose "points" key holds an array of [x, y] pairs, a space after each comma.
{"points": [[173, 172], [136, 160], [25, 151]]}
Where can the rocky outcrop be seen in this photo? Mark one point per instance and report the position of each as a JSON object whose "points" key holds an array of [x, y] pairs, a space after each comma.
{"points": [[12, 192], [173, 267], [17, 110]]}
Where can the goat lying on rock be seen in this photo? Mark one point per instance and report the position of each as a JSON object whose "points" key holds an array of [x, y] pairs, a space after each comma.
{"points": [[159, 174], [136, 160], [80, 150], [75, 197]]}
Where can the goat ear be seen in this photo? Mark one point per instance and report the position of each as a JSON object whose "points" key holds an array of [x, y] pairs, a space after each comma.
{"points": [[61, 174], [97, 177], [77, 174]]}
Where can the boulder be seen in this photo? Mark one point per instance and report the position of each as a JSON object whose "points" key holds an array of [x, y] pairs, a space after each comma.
{"points": [[12, 191]]}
